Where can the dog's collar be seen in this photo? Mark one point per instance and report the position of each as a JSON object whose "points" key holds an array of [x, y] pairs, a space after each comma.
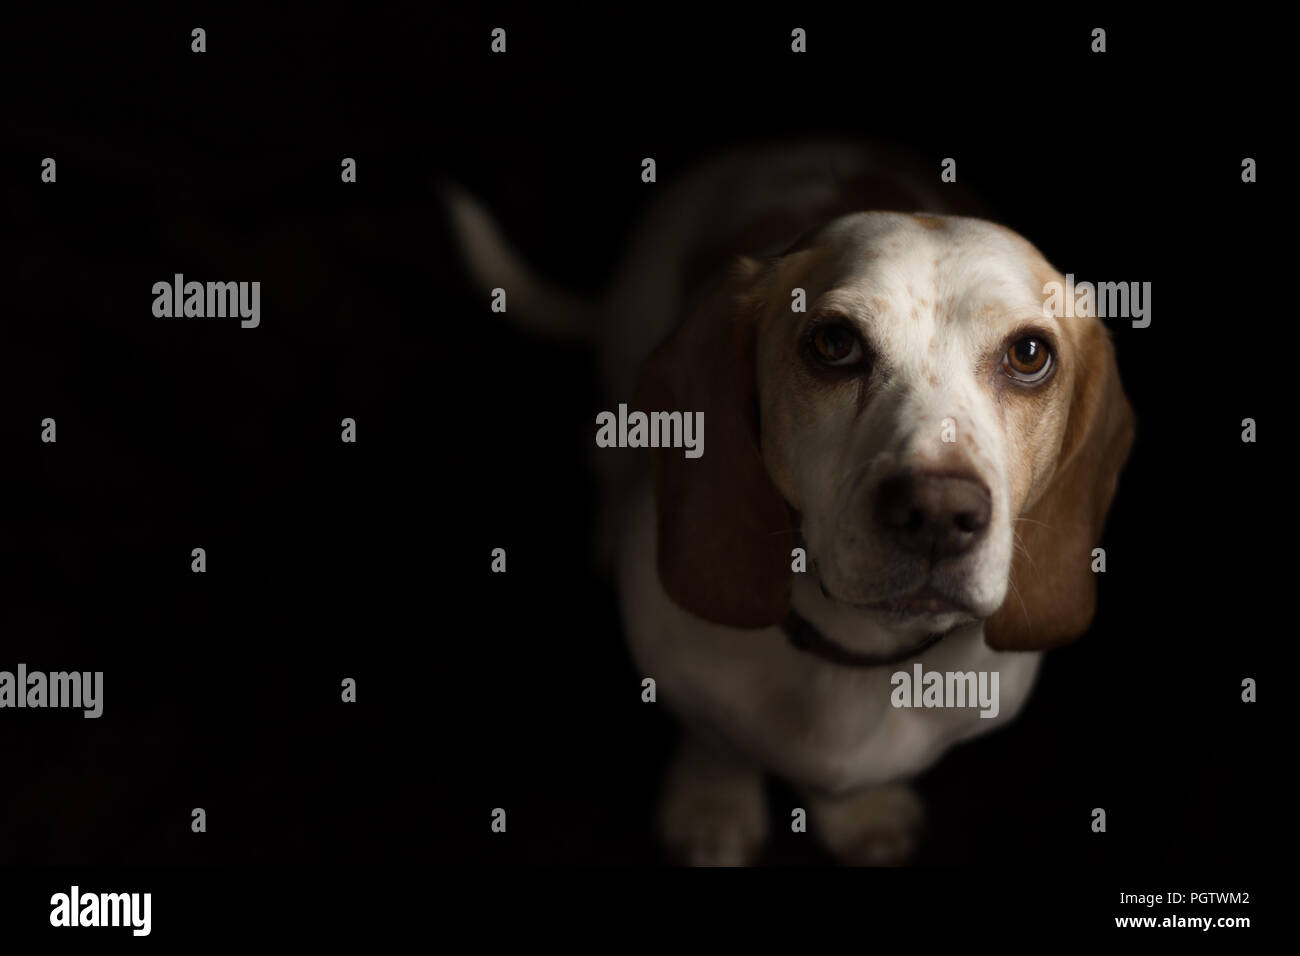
{"points": [[804, 637]]}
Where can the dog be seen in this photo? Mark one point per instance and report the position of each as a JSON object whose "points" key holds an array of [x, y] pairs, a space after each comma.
{"points": [[910, 457]]}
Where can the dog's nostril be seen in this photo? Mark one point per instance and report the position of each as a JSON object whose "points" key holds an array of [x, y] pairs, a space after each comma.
{"points": [[914, 521], [968, 521]]}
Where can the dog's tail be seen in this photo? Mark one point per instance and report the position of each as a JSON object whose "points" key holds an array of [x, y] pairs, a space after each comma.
{"points": [[532, 303]]}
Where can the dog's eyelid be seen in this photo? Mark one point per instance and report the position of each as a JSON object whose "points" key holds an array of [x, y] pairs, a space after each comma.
{"points": [[822, 318], [832, 313], [1033, 331]]}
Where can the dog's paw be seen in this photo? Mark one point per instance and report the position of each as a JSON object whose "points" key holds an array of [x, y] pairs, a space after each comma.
{"points": [[713, 814], [880, 826]]}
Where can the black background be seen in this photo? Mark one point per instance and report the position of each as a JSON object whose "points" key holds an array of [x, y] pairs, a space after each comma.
{"points": [[371, 560]]}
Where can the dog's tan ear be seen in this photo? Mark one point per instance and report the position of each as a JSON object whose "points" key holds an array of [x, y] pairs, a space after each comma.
{"points": [[1055, 588], [724, 535]]}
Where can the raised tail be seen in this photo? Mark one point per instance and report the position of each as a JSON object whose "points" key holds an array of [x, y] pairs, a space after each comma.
{"points": [[532, 303]]}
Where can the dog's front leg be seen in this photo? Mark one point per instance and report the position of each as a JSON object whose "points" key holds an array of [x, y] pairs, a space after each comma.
{"points": [[712, 812], [875, 826]]}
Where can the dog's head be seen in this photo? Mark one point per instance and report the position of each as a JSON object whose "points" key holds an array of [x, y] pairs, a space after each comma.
{"points": [[943, 446]]}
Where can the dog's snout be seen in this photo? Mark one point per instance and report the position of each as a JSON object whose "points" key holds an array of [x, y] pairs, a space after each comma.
{"points": [[933, 515]]}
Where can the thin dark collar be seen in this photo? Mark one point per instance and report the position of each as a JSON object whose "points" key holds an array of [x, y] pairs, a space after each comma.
{"points": [[804, 637]]}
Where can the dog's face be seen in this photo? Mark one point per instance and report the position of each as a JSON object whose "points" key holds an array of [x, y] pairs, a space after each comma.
{"points": [[946, 442], [913, 410]]}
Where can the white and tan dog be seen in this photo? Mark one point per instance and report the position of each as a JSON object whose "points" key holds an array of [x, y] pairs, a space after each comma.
{"points": [[941, 446]]}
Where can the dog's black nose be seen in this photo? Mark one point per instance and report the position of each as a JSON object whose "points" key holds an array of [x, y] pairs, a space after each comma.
{"points": [[936, 515]]}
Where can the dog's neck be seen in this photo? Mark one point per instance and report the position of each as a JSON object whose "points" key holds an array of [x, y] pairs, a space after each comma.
{"points": [[848, 637], [805, 637]]}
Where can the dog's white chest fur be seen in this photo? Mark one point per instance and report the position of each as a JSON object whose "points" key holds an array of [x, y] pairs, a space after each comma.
{"points": [[818, 724]]}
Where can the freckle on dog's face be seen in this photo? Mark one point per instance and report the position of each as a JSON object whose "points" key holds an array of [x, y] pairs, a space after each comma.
{"points": [[915, 410]]}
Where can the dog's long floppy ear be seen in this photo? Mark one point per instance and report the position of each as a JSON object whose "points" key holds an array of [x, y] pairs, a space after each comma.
{"points": [[724, 534], [1055, 589]]}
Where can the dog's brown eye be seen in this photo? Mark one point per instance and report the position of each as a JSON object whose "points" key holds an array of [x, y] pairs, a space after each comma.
{"points": [[834, 343], [1028, 360]]}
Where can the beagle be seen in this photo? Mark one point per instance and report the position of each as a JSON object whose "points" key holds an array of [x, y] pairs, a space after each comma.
{"points": [[907, 475]]}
